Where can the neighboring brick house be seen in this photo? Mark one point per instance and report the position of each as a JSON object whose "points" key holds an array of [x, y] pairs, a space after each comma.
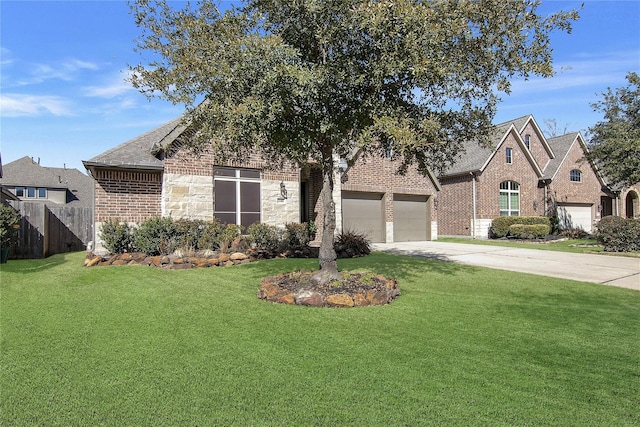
{"points": [[524, 174], [627, 202], [26, 180], [150, 176]]}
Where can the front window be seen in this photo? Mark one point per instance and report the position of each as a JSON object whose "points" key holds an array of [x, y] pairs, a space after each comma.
{"points": [[527, 141], [575, 175], [20, 191], [237, 195], [31, 192], [509, 155], [42, 193], [509, 198]]}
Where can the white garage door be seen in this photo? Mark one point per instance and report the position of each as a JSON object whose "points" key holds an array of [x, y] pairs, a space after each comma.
{"points": [[410, 218], [363, 213], [575, 217]]}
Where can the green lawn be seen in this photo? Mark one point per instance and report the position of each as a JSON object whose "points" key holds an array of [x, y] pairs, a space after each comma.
{"points": [[460, 346], [569, 245]]}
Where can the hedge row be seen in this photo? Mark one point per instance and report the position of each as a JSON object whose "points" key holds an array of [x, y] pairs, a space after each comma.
{"points": [[618, 234], [500, 227], [163, 236], [535, 231]]}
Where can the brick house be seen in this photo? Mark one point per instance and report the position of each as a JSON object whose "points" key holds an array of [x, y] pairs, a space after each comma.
{"points": [[151, 176], [524, 174]]}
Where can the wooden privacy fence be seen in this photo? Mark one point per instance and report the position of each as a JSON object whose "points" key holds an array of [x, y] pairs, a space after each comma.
{"points": [[46, 230]]}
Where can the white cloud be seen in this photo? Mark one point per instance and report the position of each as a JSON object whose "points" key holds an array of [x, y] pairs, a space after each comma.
{"points": [[66, 70], [116, 87], [20, 105]]}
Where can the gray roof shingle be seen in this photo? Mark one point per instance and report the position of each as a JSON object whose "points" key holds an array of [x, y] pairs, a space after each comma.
{"points": [[560, 146], [138, 152], [25, 172]]}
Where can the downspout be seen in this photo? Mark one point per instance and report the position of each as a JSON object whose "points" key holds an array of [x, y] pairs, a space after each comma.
{"points": [[473, 189]]}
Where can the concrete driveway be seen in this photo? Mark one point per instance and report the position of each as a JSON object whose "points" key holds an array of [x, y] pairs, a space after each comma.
{"points": [[609, 270]]}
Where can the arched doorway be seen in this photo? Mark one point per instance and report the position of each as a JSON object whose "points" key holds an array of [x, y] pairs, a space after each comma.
{"points": [[631, 204]]}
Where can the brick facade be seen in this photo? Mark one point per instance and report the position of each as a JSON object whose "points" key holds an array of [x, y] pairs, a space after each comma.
{"points": [[542, 174], [130, 196]]}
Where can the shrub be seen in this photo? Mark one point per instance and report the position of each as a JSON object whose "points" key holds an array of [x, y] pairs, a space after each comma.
{"points": [[156, 236], [352, 244], [500, 226], [264, 236], [523, 231], [9, 225], [230, 233], [209, 237], [618, 234], [188, 233], [296, 235], [116, 236]]}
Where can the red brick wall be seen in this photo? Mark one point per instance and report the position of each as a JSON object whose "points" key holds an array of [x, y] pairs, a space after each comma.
{"points": [[520, 171], [455, 202], [588, 191], [537, 148], [130, 196], [378, 175], [186, 163], [455, 206]]}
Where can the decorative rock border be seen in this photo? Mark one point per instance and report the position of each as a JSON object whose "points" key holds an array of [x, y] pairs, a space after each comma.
{"points": [[170, 262], [296, 288]]}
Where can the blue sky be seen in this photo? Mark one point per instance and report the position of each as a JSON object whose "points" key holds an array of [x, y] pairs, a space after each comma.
{"points": [[64, 98]]}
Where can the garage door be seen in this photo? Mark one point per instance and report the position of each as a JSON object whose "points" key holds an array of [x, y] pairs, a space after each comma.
{"points": [[410, 218], [363, 213], [575, 217]]}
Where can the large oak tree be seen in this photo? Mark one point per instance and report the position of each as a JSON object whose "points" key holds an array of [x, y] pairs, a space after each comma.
{"points": [[615, 141], [314, 81]]}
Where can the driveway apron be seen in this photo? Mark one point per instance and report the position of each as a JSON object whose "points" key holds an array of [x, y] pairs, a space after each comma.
{"points": [[609, 270]]}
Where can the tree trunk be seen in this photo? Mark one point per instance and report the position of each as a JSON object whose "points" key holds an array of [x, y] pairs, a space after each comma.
{"points": [[327, 257]]}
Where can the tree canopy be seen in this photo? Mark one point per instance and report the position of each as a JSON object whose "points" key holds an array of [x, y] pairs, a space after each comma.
{"points": [[615, 141], [323, 80]]}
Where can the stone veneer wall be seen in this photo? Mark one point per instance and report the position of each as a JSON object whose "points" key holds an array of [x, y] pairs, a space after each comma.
{"points": [[188, 189]]}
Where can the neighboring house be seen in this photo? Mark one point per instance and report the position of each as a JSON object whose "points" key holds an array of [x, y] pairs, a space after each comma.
{"points": [[26, 180], [151, 176], [5, 194], [56, 205], [524, 174]]}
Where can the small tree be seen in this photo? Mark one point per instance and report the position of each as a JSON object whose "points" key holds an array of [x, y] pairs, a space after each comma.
{"points": [[615, 141], [9, 225], [324, 80]]}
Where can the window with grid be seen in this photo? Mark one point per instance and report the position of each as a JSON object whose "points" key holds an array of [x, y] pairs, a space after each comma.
{"points": [[509, 198], [575, 175], [237, 196], [527, 141]]}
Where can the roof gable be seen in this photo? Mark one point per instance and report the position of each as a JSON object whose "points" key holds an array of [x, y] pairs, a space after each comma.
{"points": [[562, 145], [476, 158], [518, 138], [138, 153]]}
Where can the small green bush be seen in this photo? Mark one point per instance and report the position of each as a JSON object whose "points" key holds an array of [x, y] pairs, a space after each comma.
{"points": [[535, 231], [116, 236], [230, 233], [351, 244], [209, 237], [500, 226], [618, 234], [297, 235], [264, 236], [9, 225], [156, 236]]}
